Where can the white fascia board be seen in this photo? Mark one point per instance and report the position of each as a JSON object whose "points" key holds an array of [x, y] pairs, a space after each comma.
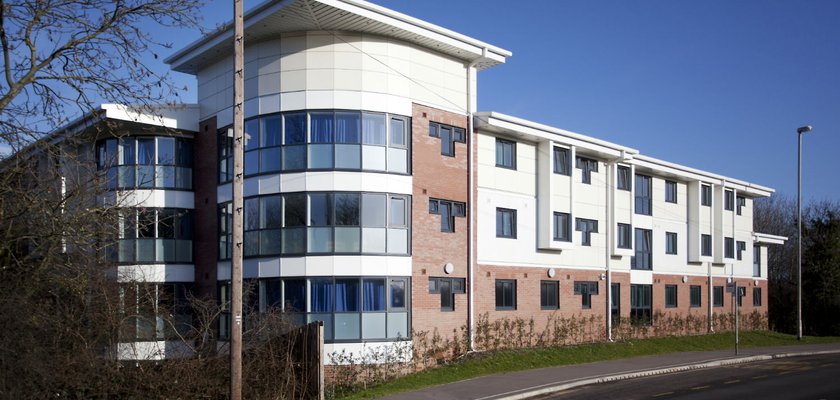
{"points": [[696, 174], [539, 131], [766, 238], [174, 117], [224, 33], [419, 27]]}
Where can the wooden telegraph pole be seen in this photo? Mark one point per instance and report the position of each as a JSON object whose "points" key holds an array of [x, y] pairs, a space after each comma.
{"points": [[238, 177]]}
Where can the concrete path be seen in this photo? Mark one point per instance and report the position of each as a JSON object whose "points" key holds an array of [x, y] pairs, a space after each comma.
{"points": [[530, 383]]}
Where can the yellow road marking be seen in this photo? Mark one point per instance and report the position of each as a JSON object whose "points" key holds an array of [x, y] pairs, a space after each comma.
{"points": [[700, 387], [732, 381], [759, 376]]}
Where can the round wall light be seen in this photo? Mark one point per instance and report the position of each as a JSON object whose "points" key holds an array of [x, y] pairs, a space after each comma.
{"points": [[551, 272], [448, 268]]}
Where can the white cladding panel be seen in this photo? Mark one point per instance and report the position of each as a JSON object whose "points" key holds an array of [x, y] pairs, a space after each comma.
{"points": [[335, 71]]}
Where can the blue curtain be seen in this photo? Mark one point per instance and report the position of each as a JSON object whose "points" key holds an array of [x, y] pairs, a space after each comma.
{"points": [[321, 298], [373, 293], [347, 127], [346, 295], [322, 127]]}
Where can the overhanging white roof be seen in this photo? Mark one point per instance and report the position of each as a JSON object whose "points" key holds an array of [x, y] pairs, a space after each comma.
{"points": [[273, 17]]}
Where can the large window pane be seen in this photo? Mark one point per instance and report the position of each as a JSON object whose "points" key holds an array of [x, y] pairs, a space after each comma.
{"points": [[321, 295], [346, 295], [294, 158], [294, 240], [398, 160], [270, 160], [398, 132], [373, 240], [373, 210], [373, 294], [373, 326], [320, 209], [321, 127], [348, 156], [252, 134], [397, 241], [373, 128], [347, 240], [294, 129], [321, 156], [166, 151], [397, 212], [294, 295], [373, 158], [347, 126], [270, 132], [271, 212], [347, 209], [347, 326], [320, 240], [294, 209]]}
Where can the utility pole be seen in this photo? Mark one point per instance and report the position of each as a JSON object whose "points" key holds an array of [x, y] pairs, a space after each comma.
{"points": [[238, 177]]}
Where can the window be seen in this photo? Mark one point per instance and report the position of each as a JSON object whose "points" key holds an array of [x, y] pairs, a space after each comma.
{"points": [[153, 235], [586, 289], [505, 294], [705, 245], [448, 136], [549, 295], [729, 200], [706, 195], [624, 239], [146, 162], [643, 195], [696, 295], [562, 162], [447, 288], [615, 302], [562, 227], [670, 296], [729, 247], [505, 153], [587, 167], [757, 297], [741, 202], [641, 304], [756, 261], [742, 246], [587, 227], [623, 178], [670, 191], [447, 210], [718, 293], [670, 243], [319, 140], [644, 255], [505, 223]]}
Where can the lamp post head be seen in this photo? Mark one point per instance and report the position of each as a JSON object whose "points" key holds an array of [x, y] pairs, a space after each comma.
{"points": [[803, 129]]}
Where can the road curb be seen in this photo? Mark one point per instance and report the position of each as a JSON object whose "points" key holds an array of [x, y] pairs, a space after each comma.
{"points": [[561, 386]]}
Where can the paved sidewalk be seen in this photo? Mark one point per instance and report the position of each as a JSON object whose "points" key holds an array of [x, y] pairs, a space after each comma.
{"points": [[525, 384]]}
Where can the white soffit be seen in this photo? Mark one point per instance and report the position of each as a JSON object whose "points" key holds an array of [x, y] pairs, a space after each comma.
{"points": [[274, 17]]}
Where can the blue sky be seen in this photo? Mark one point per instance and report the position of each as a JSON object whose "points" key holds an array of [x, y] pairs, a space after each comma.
{"points": [[717, 85]]}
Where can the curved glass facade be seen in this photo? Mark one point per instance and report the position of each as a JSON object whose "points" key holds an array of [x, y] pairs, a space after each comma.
{"points": [[154, 235], [319, 223], [153, 162], [352, 308], [154, 311], [320, 140]]}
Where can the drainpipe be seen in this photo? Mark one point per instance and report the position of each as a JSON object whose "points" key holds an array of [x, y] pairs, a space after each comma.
{"points": [[471, 200], [611, 175], [711, 299]]}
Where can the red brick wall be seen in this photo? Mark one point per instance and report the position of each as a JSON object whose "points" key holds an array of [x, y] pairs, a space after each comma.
{"points": [[205, 181], [440, 177]]}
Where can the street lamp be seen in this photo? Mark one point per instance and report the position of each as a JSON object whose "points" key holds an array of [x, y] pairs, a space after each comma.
{"points": [[800, 131]]}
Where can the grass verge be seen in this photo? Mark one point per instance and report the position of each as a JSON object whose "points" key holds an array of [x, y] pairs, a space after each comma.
{"points": [[480, 364]]}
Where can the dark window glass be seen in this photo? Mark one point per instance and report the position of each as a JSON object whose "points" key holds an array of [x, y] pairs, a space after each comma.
{"points": [[585, 289], [505, 153], [641, 304], [696, 295], [741, 203], [562, 161], [706, 245], [562, 227], [643, 195], [447, 299], [615, 302], [718, 296], [587, 167], [624, 238], [741, 247], [320, 209], [447, 146], [623, 178], [706, 195], [294, 209], [586, 227], [398, 294], [505, 223], [670, 296], [757, 297], [346, 209], [549, 295], [729, 200], [644, 254], [756, 261], [670, 243], [294, 295], [252, 134], [670, 191], [505, 294], [166, 151], [347, 295], [294, 129], [270, 132], [729, 247]]}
